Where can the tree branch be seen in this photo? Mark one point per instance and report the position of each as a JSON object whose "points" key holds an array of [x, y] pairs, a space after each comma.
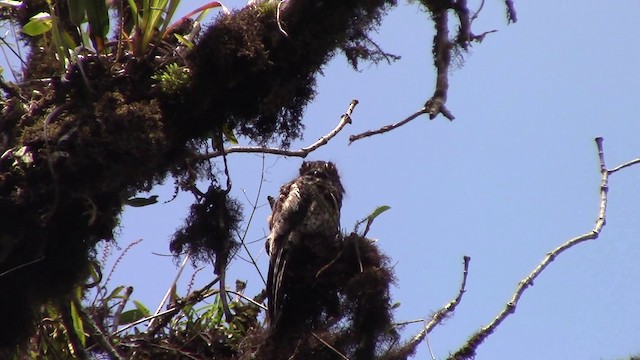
{"points": [[511, 11], [164, 316], [468, 351], [446, 311], [303, 152], [387, 128], [442, 58]]}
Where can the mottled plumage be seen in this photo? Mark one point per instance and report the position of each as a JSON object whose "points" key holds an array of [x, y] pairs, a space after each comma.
{"points": [[307, 209]]}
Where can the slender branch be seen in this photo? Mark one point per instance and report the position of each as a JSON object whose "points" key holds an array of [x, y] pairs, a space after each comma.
{"points": [[468, 351], [163, 317], [248, 299], [21, 266], [408, 322], [145, 319], [253, 212], [303, 152], [170, 290], [475, 14], [228, 316], [387, 128], [627, 164], [341, 355], [444, 312]]}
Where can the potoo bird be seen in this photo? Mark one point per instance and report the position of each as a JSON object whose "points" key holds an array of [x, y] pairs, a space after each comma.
{"points": [[305, 221]]}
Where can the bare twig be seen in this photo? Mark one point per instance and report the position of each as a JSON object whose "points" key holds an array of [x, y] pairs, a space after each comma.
{"points": [[221, 260], [228, 315], [21, 266], [627, 164], [248, 299], [303, 152], [341, 355], [475, 14], [145, 319], [165, 316], [278, 18], [170, 290], [387, 128], [253, 212], [444, 312], [469, 349]]}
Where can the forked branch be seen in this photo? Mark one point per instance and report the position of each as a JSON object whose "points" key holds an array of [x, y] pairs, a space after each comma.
{"points": [[468, 351]]}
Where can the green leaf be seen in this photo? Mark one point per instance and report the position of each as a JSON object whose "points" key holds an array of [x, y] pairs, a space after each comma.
{"points": [[141, 201], [134, 12], [134, 315], [140, 307], [95, 274], [115, 293], [97, 16], [228, 133], [183, 40], [170, 9], [78, 326], [130, 316], [217, 308], [379, 210], [67, 40], [77, 11], [38, 24]]}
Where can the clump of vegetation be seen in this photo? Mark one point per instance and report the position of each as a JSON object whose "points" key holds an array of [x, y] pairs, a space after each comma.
{"points": [[254, 71], [94, 120], [103, 119]]}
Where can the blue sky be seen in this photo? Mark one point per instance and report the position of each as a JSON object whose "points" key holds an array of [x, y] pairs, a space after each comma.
{"points": [[514, 176]]}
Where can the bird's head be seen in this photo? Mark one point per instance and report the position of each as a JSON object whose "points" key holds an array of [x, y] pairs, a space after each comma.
{"points": [[322, 170]]}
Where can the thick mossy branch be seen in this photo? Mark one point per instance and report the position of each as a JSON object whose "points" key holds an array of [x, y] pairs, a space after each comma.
{"points": [[250, 76], [75, 146], [69, 160]]}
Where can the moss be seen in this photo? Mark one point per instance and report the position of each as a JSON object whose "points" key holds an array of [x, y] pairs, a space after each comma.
{"points": [[91, 145], [340, 294], [252, 77], [101, 131]]}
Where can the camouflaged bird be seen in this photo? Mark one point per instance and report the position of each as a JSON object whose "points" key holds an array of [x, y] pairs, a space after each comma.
{"points": [[307, 210]]}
